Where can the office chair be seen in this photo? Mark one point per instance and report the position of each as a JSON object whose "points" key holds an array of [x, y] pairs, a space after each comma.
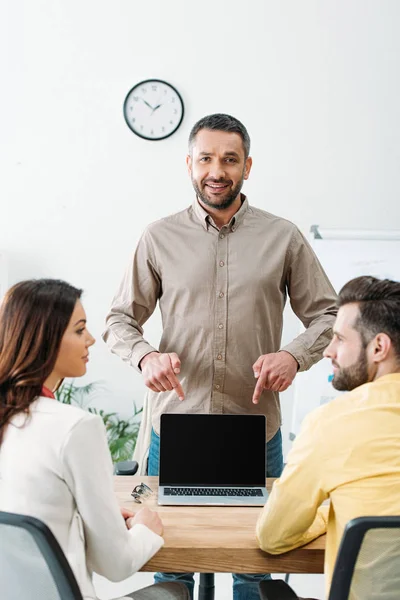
{"points": [[126, 467], [367, 565], [33, 566]]}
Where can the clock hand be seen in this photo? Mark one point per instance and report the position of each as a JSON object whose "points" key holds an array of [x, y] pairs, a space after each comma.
{"points": [[155, 108], [147, 104]]}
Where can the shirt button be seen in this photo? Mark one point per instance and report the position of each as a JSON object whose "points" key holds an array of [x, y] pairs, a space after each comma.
{"points": [[221, 294], [219, 357], [221, 235], [217, 387], [220, 326], [221, 263]]}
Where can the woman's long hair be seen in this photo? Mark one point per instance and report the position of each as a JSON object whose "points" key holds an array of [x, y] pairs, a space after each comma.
{"points": [[33, 318]]}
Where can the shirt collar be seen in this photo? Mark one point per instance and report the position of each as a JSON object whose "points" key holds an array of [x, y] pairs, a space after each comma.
{"points": [[389, 377], [206, 219]]}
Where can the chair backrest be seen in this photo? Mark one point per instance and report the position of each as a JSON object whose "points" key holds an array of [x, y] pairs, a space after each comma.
{"points": [[32, 564], [368, 561]]}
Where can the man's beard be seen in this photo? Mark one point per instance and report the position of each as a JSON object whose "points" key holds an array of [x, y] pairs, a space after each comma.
{"points": [[348, 378], [226, 202]]}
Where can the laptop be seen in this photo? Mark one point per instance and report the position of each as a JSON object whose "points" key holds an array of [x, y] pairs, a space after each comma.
{"points": [[212, 460]]}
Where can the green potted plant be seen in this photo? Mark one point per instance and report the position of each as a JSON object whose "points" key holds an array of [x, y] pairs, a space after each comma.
{"points": [[121, 433]]}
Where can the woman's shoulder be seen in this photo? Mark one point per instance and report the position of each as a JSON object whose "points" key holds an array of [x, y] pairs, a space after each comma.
{"points": [[63, 416]]}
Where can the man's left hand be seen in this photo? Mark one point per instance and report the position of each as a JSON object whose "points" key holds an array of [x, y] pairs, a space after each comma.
{"points": [[274, 372]]}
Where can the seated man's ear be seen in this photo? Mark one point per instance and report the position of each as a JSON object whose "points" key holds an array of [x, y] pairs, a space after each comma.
{"points": [[380, 347]]}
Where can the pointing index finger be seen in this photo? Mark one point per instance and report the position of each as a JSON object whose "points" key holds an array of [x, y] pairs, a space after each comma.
{"points": [[259, 388], [179, 391]]}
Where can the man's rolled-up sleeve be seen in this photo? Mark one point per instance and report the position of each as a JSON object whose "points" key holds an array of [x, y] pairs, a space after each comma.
{"points": [[313, 300]]}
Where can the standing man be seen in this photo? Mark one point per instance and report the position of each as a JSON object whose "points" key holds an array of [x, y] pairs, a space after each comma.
{"points": [[221, 271]]}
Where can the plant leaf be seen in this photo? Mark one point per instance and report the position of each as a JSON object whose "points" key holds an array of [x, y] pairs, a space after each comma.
{"points": [[121, 433]]}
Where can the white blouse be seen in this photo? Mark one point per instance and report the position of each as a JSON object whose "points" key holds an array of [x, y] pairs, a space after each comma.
{"points": [[55, 465]]}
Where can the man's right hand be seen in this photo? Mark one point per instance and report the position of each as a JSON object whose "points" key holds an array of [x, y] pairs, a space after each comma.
{"points": [[147, 517], [159, 372]]}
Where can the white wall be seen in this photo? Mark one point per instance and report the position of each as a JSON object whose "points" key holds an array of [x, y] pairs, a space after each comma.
{"points": [[316, 83]]}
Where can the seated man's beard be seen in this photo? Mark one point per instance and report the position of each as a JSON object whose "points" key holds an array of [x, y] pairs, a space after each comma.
{"points": [[227, 201], [351, 377]]}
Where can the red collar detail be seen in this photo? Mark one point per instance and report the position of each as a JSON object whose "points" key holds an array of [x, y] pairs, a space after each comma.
{"points": [[47, 393]]}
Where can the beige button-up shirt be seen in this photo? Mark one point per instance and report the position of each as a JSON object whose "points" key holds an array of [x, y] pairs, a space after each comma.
{"points": [[221, 294]]}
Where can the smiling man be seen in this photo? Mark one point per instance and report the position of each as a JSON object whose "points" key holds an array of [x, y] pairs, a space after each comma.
{"points": [[221, 271], [348, 450], [218, 164]]}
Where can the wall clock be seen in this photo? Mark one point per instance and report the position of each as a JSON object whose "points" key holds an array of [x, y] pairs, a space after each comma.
{"points": [[153, 109]]}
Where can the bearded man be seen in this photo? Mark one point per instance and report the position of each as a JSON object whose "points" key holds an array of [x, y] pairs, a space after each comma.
{"points": [[347, 450]]}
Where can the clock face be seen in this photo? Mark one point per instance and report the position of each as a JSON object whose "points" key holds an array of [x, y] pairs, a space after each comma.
{"points": [[153, 109]]}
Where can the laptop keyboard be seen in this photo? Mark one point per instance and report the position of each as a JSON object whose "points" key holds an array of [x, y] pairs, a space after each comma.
{"points": [[212, 492]]}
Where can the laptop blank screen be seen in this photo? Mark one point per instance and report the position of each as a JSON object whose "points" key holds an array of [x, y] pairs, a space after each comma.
{"points": [[212, 450]]}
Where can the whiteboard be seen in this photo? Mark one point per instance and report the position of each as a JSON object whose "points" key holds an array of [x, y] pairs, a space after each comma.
{"points": [[344, 254]]}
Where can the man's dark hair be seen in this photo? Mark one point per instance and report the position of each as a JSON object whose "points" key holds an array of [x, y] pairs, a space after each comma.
{"points": [[221, 122], [379, 306]]}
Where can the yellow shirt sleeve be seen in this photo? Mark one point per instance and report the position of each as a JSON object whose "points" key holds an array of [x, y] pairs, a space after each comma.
{"points": [[293, 515]]}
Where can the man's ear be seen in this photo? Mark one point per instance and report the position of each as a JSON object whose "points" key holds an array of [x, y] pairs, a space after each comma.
{"points": [[247, 167], [380, 347], [189, 163]]}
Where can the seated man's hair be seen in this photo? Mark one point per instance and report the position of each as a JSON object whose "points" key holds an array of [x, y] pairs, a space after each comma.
{"points": [[221, 122], [379, 305]]}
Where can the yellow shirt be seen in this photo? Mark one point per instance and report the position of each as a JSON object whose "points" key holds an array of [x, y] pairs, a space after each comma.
{"points": [[348, 451]]}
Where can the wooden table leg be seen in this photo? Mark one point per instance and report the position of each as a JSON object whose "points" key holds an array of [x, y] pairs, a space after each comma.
{"points": [[206, 586]]}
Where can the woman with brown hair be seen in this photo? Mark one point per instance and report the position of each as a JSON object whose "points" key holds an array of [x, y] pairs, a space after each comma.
{"points": [[54, 459]]}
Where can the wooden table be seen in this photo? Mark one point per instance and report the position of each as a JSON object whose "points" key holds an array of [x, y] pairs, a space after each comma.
{"points": [[220, 539]]}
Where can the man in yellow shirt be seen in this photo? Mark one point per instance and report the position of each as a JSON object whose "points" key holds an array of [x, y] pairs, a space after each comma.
{"points": [[348, 450]]}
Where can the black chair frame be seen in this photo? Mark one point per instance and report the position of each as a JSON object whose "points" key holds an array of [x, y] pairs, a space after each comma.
{"points": [[126, 467], [50, 549], [349, 549]]}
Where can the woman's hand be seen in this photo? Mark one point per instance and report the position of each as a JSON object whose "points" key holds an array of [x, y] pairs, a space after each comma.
{"points": [[127, 514], [147, 517]]}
